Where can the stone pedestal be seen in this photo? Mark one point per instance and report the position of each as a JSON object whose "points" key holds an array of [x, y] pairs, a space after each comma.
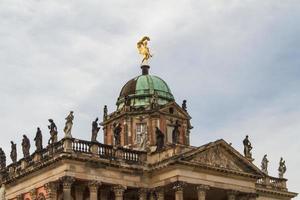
{"points": [[24, 164], [93, 187], [119, 192], [67, 145], [37, 157], [94, 148], [201, 191], [67, 182]]}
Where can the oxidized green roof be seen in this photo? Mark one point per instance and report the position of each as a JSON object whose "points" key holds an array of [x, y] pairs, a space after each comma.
{"points": [[141, 89]]}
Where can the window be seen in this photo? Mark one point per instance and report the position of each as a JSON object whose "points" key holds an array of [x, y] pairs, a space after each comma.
{"points": [[141, 129], [169, 138]]}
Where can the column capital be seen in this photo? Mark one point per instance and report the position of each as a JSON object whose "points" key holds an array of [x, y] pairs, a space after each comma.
{"points": [[33, 194], [51, 189], [232, 194], [67, 181], [142, 192], [179, 185], [202, 187], [119, 190], [94, 185]]}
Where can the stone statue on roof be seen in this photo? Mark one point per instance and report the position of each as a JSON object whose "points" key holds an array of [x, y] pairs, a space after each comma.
{"points": [[95, 130], [264, 164], [26, 146], [143, 48], [176, 133], [38, 140], [53, 132], [69, 125], [160, 139], [282, 168], [117, 133], [13, 153], [247, 148], [2, 159]]}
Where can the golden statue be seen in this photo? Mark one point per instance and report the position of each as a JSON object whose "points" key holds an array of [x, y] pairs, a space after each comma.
{"points": [[143, 48]]}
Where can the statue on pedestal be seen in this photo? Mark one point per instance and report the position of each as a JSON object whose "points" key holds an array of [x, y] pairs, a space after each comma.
{"points": [[160, 139], [264, 164], [176, 132], [142, 46], [53, 132], [2, 159], [13, 153], [68, 125], [95, 130], [282, 168], [105, 113], [117, 133], [38, 140], [183, 106], [247, 148], [26, 146]]}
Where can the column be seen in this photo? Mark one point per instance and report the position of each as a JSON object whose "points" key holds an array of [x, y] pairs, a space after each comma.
{"points": [[201, 191], [142, 194], [231, 194], [160, 194], [178, 187], [119, 192], [104, 194], [252, 196], [33, 194], [79, 189], [93, 187], [67, 182], [51, 189]]}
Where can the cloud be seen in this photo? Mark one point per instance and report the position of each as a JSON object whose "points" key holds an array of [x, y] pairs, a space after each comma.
{"points": [[237, 64]]}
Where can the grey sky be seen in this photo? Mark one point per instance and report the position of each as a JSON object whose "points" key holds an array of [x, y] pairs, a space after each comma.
{"points": [[236, 62]]}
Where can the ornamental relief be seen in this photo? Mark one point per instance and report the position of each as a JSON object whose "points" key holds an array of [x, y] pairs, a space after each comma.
{"points": [[217, 157]]}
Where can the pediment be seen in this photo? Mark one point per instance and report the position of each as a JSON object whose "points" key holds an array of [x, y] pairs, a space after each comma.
{"points": [[220, 155], [174, 109]]}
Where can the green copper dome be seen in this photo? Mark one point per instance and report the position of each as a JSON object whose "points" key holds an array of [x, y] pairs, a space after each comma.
{"points": [[140, 91]]}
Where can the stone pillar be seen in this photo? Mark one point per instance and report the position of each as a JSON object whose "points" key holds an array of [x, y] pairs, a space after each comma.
{"points": [[119, 192], [142, 194], [20, 197], [201, 191], [68, 145], [231, 195], [178, 187], [252, 196], [104, 194], [67, 182], [93, 186], [160, 194], [51, 189], [79, 189], [33, 194]]}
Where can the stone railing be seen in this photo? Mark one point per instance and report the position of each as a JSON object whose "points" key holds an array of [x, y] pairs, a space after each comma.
{"points": [[272, 182], [108, 151], [73, 146]]}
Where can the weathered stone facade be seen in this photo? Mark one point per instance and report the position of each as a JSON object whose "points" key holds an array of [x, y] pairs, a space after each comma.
{"points": [[76, 169]]}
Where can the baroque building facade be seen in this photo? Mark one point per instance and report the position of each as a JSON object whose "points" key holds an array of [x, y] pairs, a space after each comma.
{"points": [[146, 155]]}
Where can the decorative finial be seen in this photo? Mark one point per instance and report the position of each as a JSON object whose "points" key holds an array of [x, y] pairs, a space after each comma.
{"points": [[143, 48]]}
